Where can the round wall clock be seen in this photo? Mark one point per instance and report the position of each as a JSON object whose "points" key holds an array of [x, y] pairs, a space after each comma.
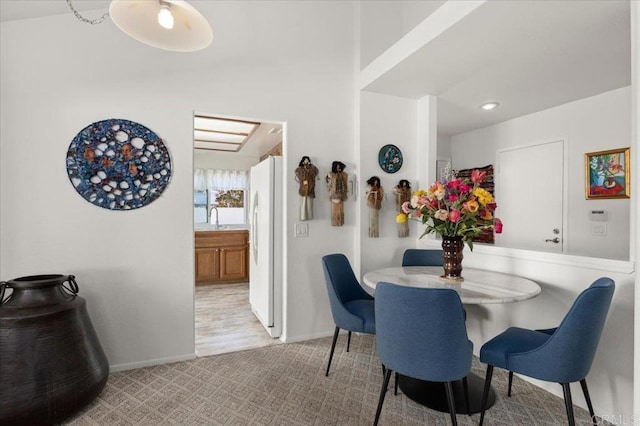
{"points": [[118, 164], [390, 158]]}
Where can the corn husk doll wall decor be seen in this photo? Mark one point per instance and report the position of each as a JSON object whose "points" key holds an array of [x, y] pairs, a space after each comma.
{"points": [[337, 181], [402, 194], [306, 175], [375, 196]]}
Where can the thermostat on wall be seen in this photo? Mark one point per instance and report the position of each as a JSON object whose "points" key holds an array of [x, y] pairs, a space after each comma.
{"points": [[598, 215]]}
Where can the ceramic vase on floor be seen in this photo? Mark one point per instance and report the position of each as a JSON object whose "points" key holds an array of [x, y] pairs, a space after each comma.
{"points": [[452, 255], [52, 362]]}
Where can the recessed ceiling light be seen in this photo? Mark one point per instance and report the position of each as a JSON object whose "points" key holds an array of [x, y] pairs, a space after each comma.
{"points": [[489, 106]]}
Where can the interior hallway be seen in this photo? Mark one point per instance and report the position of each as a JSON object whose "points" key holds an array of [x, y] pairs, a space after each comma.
{"points": [[224, 321]]}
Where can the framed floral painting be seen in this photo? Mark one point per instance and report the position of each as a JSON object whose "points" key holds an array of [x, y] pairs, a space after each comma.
{"points": [[607, 174]]}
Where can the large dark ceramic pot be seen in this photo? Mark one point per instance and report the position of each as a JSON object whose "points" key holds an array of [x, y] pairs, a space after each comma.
{"points": [[51, 362]]}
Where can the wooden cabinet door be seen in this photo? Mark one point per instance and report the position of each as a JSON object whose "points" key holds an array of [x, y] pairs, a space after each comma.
{"points": [[207, 264], [233, 263]]}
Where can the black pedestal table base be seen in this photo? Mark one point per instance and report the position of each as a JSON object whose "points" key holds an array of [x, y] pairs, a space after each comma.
{"points": [[432, 394]]}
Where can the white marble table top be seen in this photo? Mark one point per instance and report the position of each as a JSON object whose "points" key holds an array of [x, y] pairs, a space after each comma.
{"points": [[478, 287]]}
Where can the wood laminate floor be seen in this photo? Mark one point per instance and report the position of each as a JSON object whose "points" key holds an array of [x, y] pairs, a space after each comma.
{"points": [[224, 321]]}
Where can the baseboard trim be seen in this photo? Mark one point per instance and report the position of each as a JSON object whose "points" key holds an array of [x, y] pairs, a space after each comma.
{"points": [[316, 335], [151, 362]]}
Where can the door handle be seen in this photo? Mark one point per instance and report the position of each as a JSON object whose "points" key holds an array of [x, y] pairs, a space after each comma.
{"points": [[556, 240], [254, 228]]}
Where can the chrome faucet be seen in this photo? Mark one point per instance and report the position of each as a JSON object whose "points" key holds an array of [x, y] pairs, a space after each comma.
{"points": [[217, 225]]}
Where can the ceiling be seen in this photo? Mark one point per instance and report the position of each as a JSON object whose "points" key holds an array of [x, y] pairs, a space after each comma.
{"points": [[230, 135], [11, 10], [528, 55], [211, 133]]}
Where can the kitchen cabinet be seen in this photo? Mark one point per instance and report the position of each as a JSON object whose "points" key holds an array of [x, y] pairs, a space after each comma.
{"points": [[276, 151], [222, 256]]}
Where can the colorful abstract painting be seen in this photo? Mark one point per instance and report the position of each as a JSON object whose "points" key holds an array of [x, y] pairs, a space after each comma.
{"points": [[118, 164], [607, 174], [486, 236]]}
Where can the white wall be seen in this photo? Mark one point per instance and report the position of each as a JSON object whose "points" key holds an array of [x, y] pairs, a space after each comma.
{"points": [[596, 123], [386, 120], [444, 147], [271, 60]]}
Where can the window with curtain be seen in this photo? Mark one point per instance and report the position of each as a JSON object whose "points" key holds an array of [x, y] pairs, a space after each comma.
{"points": [[223, 189]]}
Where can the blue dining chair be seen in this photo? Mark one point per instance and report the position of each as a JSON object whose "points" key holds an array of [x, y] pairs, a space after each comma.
{"points": [[563, 354], [421, 333], [421, 257], [352, 308]]}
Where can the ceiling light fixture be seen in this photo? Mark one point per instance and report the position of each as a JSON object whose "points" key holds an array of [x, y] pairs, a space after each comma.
{"points": [[165, 17], [166, 24], [488, 106]]}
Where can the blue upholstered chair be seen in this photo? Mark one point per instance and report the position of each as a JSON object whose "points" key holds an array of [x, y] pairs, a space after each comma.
{"points": [[420, 257], [421, 333], [562, 355], [351, 306]]}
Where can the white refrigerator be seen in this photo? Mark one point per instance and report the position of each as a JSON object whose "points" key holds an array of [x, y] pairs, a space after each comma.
{"points": [[265, 234]]}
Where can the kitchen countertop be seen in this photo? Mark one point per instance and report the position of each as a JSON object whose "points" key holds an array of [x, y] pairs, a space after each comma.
{"points": [[202, 227]]}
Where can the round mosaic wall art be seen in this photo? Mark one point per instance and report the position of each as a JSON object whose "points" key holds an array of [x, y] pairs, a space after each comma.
{"points": [[390, 158], [118, 164]]}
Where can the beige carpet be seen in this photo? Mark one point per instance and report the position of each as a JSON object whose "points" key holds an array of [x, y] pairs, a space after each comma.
{"points": [[285, 385]]}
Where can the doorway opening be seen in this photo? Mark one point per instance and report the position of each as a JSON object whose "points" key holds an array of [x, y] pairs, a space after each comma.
{"points": [[225, 150]]}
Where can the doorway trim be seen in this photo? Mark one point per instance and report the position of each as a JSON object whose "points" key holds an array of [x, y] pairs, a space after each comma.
{"points": [[284, 217]]}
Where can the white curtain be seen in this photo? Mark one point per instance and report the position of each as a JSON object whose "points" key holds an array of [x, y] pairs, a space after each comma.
{"points": [[204, 179]]}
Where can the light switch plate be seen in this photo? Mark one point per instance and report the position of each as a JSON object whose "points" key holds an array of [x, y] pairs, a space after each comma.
{"points": [[301, 230], [599, 229]]}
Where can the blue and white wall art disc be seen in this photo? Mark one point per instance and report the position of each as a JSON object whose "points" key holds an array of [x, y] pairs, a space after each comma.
{"points": [[118, 164]]}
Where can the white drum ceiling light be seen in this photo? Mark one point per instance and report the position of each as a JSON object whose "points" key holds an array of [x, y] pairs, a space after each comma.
{"points": [[166, 24]]}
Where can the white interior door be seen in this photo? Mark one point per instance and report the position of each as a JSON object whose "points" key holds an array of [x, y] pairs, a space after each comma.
{"points": [[530, 194]]}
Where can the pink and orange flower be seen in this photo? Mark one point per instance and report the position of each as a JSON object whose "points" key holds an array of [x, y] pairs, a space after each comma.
{"points": [[455, 207]]}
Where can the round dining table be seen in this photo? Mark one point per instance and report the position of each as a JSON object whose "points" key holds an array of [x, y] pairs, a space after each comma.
{"points": [[478, 287]]}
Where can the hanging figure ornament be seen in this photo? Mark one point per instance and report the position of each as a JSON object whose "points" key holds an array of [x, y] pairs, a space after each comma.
{"points": [[402, 193], [337, 186], [306, 175], [118, 164], [375, 196]]}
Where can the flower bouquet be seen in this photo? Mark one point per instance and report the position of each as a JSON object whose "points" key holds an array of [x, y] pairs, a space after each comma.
{"points": [[458, 209]]}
